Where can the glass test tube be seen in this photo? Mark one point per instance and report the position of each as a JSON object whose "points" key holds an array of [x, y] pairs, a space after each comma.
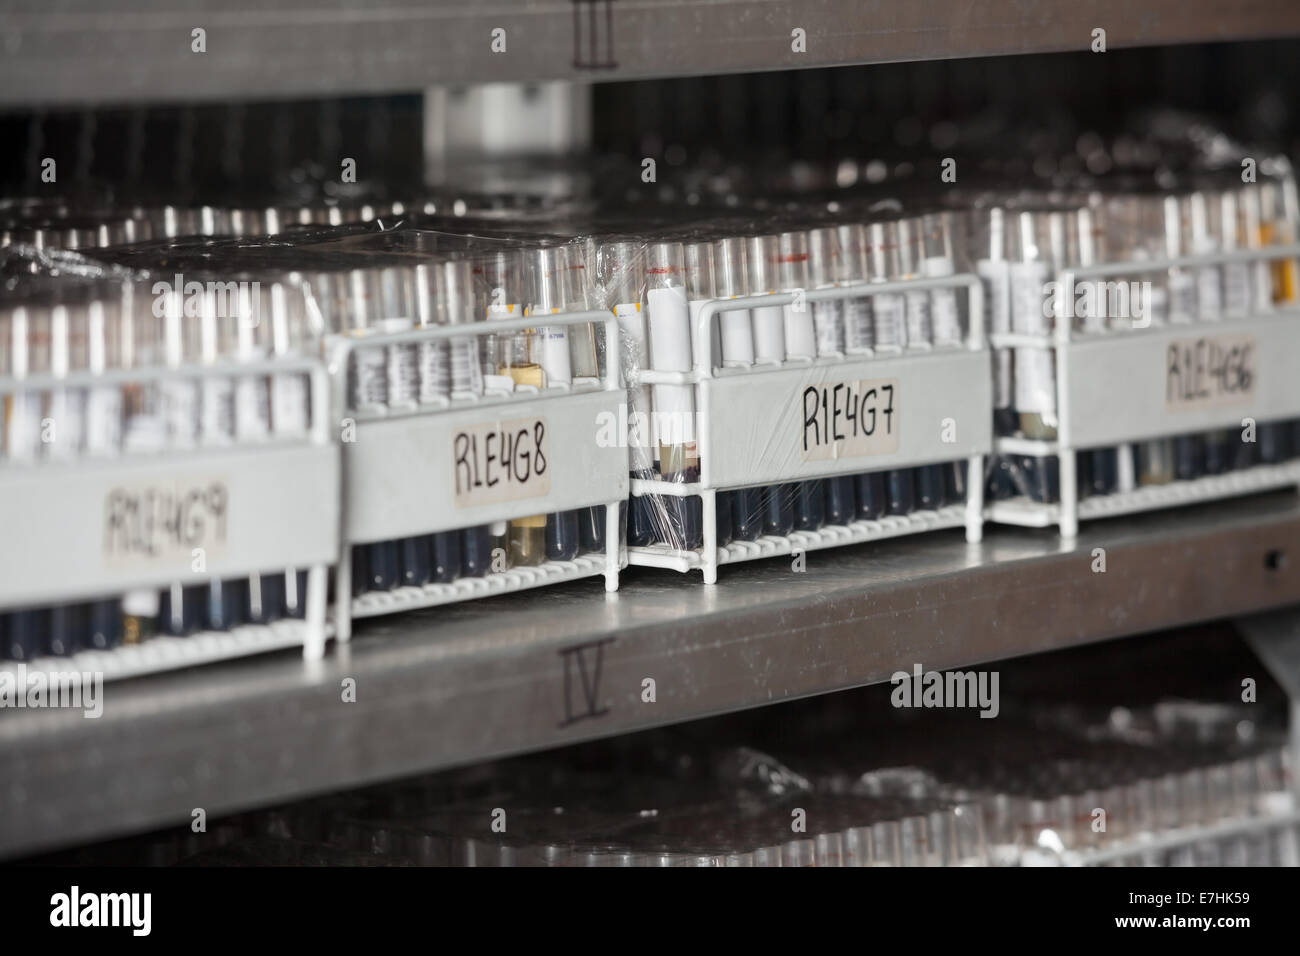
{"points": [[1098, 467], [458, 304], [621, 267], [928, 479], [891, 492], [825, 269], [768, 326], [292, 335], [674, 421], [557, 286], [701, 287], [731, 268]]}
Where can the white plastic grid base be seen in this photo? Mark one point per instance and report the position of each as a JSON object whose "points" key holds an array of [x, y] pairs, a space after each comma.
{"points": [[831, 536], [374, 603], [164, 653], [1257, 478]]}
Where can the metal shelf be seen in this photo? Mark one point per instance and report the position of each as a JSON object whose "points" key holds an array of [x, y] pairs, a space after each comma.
{"points": [[460, 683], [140, 50]]}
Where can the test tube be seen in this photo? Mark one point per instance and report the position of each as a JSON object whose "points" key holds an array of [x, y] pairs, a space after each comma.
{"points": [[825, 268], [264, 592], [701, 287], [432, 557], [731, 262], [381, 560], [859, 331], [622, 271], [292, 334], [219, 322], [67, 415], [1099, 467], [929, 479], [180, 607], [104, 434], [558, 286], [889, 311], [768, 324], [29, 326], [674, 421], [457, 304], [808, 497], [939, 261]]}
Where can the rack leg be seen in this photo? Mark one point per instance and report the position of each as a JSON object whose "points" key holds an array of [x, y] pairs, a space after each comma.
{"points": [[343, 595], [613, 546], [1069, 494], [975, 499], [710, 518], [313, 649]]}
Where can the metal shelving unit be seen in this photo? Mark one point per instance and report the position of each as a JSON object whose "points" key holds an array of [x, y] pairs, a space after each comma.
{"points": [[460, 683], [143, 50]]}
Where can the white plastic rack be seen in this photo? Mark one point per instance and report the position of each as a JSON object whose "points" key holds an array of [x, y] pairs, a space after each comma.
{"points": [[400, 478], [751, 428], [1113, 389], [279, 511]]}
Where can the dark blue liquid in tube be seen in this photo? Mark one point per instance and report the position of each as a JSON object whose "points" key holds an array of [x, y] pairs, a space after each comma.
{"points": [[841, 501], [417, 563], [809, 505], [1103, 471], [24, 635], [640, 515], [592, 529], [1218, 456], [104, 629], [562, 536], [1274, 442], [67, 624], [930, 487], [385, 566], [1039, 479], [873, 497], [900, 491], [723, 522], [778, 509], [1189, 457], [360, 569], [746, 514], [445, 550], [476, 551]]}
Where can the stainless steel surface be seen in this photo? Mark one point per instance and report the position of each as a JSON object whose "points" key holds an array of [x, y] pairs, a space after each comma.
{"points": [[141, 50], [455, 684]]}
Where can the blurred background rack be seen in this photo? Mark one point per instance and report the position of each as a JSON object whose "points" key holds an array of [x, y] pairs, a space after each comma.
{"points": [[413, 90]]}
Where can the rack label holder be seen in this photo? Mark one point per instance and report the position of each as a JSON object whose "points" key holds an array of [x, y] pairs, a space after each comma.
{"points": [[754, 422], [280, 511], [1136, 404], [400, 480]]}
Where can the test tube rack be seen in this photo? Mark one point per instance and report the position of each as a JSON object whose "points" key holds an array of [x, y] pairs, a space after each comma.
{"points": [[1136, 406], [400, 478], [752, 428], [280, 498]]}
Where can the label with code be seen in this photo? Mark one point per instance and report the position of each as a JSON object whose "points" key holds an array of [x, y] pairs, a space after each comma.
{"points": [[164, 523], [1210, 371], [849, 419], [500, 461]]}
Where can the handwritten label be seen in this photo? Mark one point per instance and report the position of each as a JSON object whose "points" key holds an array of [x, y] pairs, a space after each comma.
{"points": [[850, 419], [502, 461], [165, 523], [1210, 371]]}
